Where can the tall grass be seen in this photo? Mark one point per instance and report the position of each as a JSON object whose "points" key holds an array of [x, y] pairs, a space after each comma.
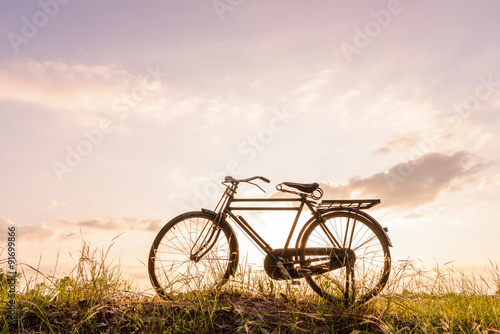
{"points": [[96, 297]]}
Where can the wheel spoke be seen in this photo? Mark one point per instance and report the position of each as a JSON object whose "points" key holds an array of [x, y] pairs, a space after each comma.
{"points": [[366, 268], [172, 268]]}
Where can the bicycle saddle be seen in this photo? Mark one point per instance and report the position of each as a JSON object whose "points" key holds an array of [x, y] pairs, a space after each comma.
{"points": [[304, 187]]}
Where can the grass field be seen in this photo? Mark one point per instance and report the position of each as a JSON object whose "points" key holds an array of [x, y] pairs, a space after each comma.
{"points": [[96, 298]]}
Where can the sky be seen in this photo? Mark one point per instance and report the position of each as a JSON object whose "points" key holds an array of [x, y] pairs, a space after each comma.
{"points": [[116, 116]]}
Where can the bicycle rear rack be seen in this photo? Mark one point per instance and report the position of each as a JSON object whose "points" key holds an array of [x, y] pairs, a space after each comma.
{"points": [[359, 204]]}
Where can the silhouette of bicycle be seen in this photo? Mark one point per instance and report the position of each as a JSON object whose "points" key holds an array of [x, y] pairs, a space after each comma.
{"points": [[342, 252]]}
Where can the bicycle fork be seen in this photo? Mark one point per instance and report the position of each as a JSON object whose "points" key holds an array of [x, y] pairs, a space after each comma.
{"points": [[208, 242]]}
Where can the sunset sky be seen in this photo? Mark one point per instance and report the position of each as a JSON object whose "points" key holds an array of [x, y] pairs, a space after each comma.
{"points": [[115, 116]]}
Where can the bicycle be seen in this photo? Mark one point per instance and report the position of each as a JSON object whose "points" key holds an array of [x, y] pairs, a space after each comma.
{"points": [[341, 251]]}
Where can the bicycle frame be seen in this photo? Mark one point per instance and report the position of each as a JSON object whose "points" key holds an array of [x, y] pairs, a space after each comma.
{"points": [[225, 209], [251, 233], [341, 251]]}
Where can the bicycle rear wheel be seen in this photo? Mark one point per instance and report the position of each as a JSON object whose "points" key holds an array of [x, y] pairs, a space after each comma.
{"points": [[192, 253], [347, 257]]}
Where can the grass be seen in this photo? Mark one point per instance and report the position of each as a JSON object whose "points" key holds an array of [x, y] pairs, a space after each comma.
{"points": [[96, 298]]}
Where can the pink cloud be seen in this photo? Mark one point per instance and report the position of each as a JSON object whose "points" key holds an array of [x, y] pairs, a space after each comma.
{"points": [[399, 142], [413, 183]]}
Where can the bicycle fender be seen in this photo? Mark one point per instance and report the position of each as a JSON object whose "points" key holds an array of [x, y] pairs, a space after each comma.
{"points": [[302, 231], [209, 212], [364, 214], [340, 209]]}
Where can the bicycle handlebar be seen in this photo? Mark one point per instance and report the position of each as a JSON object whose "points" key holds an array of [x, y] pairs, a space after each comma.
{"points": [[232, 179]]}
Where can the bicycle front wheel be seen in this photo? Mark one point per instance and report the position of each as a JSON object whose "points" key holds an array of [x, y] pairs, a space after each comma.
{"points": [[346, 256], [191, 253]]}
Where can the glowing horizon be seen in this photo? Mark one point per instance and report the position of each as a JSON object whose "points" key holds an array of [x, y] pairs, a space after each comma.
{"points": [[116, 117]]}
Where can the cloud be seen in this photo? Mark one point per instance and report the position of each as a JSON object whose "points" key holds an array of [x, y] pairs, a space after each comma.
{"points": [[150, 225], [124, 223], [87, 93], [100, 225], [59, 86], [63, 228], [400, 142], [54, 204], [38, 232], [413, 183], [490, 183], [115, 224], [4, 222]]}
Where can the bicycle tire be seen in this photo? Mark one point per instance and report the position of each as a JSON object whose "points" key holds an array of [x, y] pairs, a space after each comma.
{"points": [[364, 269], [171, 266]]}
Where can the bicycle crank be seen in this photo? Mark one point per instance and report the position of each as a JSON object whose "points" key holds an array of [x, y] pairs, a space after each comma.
{"points": [[282, 269], [320, 260]]}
